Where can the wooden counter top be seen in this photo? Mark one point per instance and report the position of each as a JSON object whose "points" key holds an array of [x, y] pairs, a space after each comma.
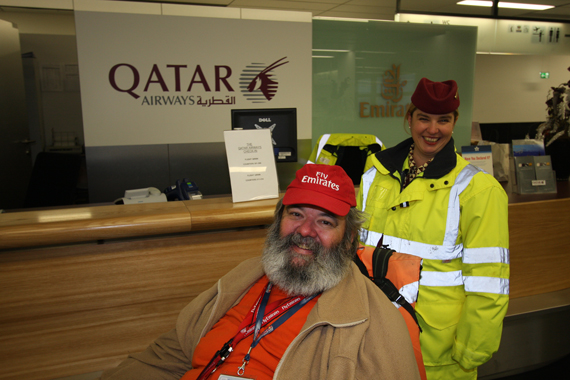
{"points": [[94, 223], [221, 213], [85, 286], [49, 227]]}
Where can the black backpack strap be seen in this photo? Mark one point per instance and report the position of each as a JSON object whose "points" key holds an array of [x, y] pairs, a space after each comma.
{"points": [[373, 148], [380, 260], [332, 149], [370, 149], [360, 265]]}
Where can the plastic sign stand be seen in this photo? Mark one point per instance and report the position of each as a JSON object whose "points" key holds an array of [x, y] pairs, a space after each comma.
{"points": [[251, 163], [534, 175]]}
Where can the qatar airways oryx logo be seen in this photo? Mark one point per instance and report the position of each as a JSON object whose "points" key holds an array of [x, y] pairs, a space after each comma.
{"points": [[202, 85], [258, 82]]}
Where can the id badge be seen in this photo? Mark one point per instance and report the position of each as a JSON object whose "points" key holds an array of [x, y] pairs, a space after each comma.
{"points": [[230, 377]]}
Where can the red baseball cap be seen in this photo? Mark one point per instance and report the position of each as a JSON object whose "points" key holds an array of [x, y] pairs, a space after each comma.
{"points": [[326, 186], [436, 97]]}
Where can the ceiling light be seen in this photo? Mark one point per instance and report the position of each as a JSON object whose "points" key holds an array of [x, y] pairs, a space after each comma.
{"points": [[502, 4], [534, 7], [342, 19], [333, 50]]}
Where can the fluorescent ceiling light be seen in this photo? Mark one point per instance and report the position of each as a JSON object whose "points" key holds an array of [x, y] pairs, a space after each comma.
{"points": [[342, 19], [502, 4], [333, 50]]}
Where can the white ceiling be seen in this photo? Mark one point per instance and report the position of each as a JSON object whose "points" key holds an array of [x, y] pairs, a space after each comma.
{"points": [[386, 9], [365, 9]]}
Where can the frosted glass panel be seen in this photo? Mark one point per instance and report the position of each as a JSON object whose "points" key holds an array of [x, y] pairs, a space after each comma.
{"points": [[364, 74]]}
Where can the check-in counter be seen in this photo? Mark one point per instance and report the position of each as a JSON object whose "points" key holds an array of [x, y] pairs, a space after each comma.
{"points": [[83, 287], [536, 330]]}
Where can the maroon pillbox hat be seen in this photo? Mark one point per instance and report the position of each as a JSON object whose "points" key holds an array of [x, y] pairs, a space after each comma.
{"points": [[326, 186], [436, 97]]}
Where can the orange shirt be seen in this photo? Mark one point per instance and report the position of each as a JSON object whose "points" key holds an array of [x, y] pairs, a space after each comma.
{"points": [[266, 355]]}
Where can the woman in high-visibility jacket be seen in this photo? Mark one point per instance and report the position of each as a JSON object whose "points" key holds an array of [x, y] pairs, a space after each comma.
{"points": [[425, 200]]}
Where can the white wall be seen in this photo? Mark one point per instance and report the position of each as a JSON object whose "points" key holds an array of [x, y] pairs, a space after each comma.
{"points": [[126, 69], [508, 88], [507, 36]]}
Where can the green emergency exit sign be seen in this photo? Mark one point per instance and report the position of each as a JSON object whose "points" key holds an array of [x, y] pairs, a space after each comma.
{"points": [[544, 75]]}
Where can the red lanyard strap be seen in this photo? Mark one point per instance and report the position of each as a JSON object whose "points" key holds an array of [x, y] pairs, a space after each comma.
{"points": [[246, 328], [289, 308]]}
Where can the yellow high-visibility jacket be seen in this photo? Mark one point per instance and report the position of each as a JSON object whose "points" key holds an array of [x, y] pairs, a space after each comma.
{"points": [[455, 217], [350, 151], [321, 155]]}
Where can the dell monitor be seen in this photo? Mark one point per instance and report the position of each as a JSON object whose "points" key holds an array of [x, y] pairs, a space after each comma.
{"points": [[282, 122]]}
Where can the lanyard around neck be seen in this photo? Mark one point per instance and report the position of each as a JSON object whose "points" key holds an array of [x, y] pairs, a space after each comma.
{"points": [[288, 309], [247, 327]]}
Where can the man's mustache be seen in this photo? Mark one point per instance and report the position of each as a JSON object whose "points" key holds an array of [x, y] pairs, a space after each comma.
{"points": [[305, 242]]}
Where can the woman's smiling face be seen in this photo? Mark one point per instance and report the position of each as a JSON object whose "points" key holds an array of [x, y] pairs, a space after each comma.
{"points": [[430, 133]]}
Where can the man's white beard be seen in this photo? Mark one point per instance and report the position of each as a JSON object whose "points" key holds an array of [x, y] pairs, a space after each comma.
{"points": [[300, 274]]}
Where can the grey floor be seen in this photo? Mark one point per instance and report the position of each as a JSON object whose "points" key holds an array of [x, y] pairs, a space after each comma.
{"points": [[558, 370]]}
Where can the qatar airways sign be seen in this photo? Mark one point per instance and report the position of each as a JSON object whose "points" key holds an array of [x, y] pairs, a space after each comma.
{"points": [[258, 83], [155, 79]]}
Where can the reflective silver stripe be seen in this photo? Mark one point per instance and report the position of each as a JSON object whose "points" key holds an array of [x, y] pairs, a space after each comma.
{"points": [[423, 250], [410, 291], [486, 284], [366, 183], [471, 283], [453, 208], [370, 237], [486, 255], [429, 278]]}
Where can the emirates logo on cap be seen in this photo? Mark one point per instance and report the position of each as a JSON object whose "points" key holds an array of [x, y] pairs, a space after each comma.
{"points": [[320, 179], [325, 186]]}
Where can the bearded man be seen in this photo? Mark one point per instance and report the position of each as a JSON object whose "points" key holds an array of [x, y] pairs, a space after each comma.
{"points": [[301, 311]]}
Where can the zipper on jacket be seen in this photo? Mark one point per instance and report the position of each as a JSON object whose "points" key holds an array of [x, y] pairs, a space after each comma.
{"points": [[400, 180], [404, 175]]}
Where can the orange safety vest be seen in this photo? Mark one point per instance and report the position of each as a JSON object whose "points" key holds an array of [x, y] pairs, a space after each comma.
{"points": [[403, 269]]}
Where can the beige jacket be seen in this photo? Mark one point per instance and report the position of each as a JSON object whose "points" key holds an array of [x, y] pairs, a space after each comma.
{"points": [[353, 332]]}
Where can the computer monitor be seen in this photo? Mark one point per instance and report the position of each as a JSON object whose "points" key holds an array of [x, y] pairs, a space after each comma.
{"points": [[281, 121], [505, 133]]}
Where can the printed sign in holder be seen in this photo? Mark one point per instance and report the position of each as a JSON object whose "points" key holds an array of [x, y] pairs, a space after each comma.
{"points": [[251, 163], [480, 156]]}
